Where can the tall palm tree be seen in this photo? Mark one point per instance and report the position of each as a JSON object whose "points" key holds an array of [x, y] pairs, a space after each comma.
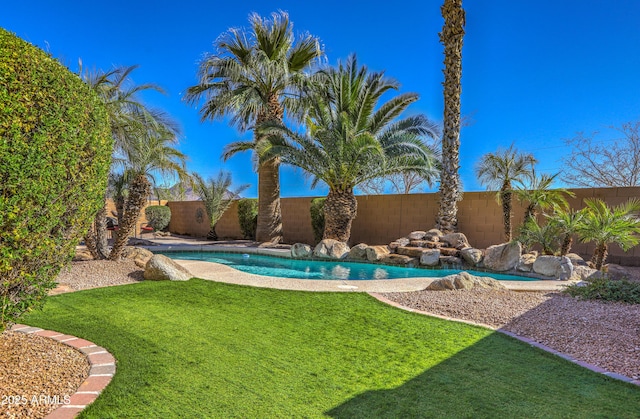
{"points": [[144, 156], [537, 193], [498, 171], [216, 196], [128, 116], [253, 77], [604, 225], [450, 187], [352, 137]]}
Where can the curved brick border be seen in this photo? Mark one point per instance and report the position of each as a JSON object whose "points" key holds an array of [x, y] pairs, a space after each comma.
{"points": [[531, 342], [102, 368]]}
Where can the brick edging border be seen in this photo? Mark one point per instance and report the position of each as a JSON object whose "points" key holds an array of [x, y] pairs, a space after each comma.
{"points": [[102, 369], [531, 342]]}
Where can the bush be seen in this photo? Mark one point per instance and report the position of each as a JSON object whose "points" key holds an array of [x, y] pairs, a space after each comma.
{"points": [[248, 217], [158, 216], [607, 290], [317, 218], [55, 151]]}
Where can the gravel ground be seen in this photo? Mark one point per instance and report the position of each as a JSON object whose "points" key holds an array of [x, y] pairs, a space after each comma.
{"points": [[37, 374], [98, 273], [602, 334]]}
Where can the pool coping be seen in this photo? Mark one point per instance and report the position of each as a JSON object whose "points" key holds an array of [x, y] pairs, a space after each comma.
{"points": [[102, 369]]}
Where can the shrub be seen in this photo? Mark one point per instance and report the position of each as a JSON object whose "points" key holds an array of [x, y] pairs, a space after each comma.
{"points": [[55, 151], [158, 216], [605, 289], [248, 217], [317, 218]]}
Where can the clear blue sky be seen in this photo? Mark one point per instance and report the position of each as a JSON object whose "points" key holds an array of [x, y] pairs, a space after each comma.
{"points": [[534, 72]]}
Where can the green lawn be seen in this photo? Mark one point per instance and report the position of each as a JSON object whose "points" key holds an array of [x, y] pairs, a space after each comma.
{"points": [[200, 349]]}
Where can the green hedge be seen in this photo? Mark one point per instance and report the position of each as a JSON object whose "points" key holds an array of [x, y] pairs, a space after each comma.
{"points": [[158, 216], [55, 151], [317, 218], [248, 217]]}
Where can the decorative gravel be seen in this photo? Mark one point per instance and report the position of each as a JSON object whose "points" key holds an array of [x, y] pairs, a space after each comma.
{"points": [[37, 374], [603, 334], [99, 273]]}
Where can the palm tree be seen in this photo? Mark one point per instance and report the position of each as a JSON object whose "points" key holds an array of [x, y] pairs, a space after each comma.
{"points": [[253, 77], [546, 236], [537, 193], [498, 171], [351, 138], [450, 187], [216, 196], [128, 116], [604, 225], [144, 155], [567, 221]]}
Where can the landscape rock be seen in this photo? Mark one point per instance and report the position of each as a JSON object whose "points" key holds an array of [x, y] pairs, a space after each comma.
{"points": [[464, 281], [430, 257], [394, 259], [160, 268], [358, 252], [402, 241], [457, 240], [502, 257], [584, 273], [450, 261], [375, 253], [433, 235], [138, 254], [414, 252], [300, 250], [526, 262], [331, 249], [449, 251], [82, 255], [617, 272], [471, 255], [418, 243], [559, 267], [417, 235], [576, 259]]}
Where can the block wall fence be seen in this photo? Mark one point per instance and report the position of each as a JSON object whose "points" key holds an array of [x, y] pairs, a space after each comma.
{"points": [[384, 218]]}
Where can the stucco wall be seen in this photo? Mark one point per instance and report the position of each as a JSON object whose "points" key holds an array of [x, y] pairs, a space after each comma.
{"points": [[383, 218]]}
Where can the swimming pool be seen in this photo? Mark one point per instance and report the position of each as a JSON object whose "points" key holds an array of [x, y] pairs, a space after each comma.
{"points": [[316, 269]]}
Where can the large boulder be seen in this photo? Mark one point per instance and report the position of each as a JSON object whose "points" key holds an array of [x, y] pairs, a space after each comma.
{"points": [[576, 259], [414, 252], [559, 267], [393, 259], [331, 249], [300, 250], [526, 262], [162, 268], [584, 273], [433, 235], [471, 256], [82, 255], [417, 235], [502, 257], [464, 281], [457, 240], [430, 257], [375, 253], [358, 252]]}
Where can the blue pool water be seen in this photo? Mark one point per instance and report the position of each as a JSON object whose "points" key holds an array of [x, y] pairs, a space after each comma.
{"points": [[314, 269]]}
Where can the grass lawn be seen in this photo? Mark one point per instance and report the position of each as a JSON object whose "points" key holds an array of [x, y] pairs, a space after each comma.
{"points": [[200, 349]]}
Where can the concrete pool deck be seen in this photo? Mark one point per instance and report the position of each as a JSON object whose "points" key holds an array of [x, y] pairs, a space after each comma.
{"points": [[222, 273]]}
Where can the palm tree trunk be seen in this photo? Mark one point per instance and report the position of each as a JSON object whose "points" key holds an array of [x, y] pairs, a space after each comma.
{"points": [[138, 192], [269, 215], [600, 255], [212, 233], [340, 210], [566, 245], [450, 188], [96, 237], [505, 197]]}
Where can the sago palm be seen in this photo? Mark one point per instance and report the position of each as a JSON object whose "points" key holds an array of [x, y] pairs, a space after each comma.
{"points": [[253, 78], [144, 156], [567, 221], [604, 225], [498, 171], [450, 187], [353, 137], [536, 192], [216, 197]]}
